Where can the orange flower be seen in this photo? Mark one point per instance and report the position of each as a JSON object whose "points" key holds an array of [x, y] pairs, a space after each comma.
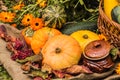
{"points": [[14, 25], [37, 23], [27, 19], [117, 70], [7, 16], [19, 6], [102, 37], [42, 3]]}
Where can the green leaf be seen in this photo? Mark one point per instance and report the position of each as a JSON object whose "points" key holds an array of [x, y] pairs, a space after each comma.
{"points": [[34, 73], [81, 2], [114, 52], [31, 58]]}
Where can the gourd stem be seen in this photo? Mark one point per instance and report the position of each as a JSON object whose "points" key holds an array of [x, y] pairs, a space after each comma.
{"points": [[29, 32], [57, 50], [85, 36]]}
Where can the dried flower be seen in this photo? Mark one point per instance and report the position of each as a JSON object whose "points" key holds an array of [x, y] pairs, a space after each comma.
{"points": [[27, 19], [7, 16], [37, 23]]}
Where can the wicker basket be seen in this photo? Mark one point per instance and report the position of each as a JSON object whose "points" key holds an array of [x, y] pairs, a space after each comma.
{"points": [[108, 28]]}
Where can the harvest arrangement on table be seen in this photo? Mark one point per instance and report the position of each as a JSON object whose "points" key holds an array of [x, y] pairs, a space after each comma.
{"points": [[51, 45]]}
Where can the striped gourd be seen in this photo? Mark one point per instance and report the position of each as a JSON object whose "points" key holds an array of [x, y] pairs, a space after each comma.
{"points": [[54, 16]]}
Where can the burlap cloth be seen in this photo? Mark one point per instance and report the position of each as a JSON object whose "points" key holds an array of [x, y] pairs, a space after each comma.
{"points": [[13, 68]]}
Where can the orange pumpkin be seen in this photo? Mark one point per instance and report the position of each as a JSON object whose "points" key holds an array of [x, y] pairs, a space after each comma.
{"points": [[61, 51], [41, 36], [27, 34]]}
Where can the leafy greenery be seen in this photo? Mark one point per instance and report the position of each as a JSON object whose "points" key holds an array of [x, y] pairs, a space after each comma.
{"points": [[3, 74], [77, 10], [83, 10]]}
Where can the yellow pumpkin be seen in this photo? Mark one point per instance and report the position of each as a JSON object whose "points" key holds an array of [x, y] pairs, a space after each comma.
{"points": [[109, 5], [61, 51], [84, 37], [41, 36]]}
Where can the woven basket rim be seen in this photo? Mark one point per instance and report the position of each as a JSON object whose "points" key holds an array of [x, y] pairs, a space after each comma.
{"points": [[102, 14]]}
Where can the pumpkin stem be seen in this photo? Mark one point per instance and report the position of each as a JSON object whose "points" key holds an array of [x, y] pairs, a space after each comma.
{"points": [[29, 32], [118, 1], [58, 50], [85, 36]]}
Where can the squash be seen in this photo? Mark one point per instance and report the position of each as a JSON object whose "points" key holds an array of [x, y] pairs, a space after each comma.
{"points": [[54, 16], [116, 14], [71, 27], [109, 5], [41, 36], [84, 37], [61, 51], [27, 34]]}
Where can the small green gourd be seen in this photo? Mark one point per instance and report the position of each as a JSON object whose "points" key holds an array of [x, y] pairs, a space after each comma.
{"points": [[116, 14]]}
